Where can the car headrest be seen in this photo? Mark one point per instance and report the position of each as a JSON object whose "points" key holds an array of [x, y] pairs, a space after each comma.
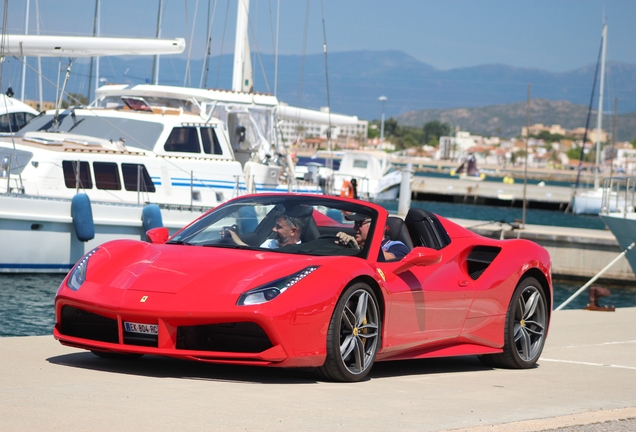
{"points": [[398, 231]]}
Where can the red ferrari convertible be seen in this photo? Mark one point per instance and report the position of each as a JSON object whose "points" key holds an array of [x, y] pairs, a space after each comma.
{"points": [[328, 283]]}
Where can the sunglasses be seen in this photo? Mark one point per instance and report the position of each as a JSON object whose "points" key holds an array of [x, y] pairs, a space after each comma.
{"points": [[360, 223]]}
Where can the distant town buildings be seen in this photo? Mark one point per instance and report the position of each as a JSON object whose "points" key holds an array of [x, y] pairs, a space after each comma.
{"points": [[577, 133]]}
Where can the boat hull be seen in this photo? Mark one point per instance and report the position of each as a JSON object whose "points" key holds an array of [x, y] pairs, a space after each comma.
{"points": [[624, 229], [38, 234]]}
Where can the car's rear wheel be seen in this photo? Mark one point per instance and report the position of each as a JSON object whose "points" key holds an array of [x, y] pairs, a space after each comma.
{"points": [[116, 356], [525, 328], [354, 334]]}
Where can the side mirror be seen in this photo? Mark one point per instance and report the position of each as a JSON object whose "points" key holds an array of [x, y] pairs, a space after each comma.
{"points": [[419, 256], [157, 235]]}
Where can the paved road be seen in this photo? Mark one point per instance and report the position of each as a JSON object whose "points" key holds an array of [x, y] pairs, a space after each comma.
{"points": [[586, 376]]}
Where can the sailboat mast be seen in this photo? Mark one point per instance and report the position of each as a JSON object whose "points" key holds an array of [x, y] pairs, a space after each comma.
{"points": [[599, 119], [155, 65], [242, 74], [24, 59]]}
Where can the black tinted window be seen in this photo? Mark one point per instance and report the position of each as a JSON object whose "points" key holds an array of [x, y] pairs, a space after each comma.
{"points": [[137, 175], [106, 176], [70, 169], [210, 141], [183, 139]]}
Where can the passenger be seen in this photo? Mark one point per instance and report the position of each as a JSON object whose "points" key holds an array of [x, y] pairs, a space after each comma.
{"points": [[391, 250], [286, 231]]}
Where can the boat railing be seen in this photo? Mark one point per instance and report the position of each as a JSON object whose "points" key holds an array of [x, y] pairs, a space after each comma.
{"points": [[619, 195]]}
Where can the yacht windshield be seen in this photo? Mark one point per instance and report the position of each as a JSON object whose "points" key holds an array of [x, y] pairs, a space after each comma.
{"points": [[136, 133]]}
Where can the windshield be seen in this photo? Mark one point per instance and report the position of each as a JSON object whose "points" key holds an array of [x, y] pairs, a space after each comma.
{"points": [[284, 224], [135, 133]]}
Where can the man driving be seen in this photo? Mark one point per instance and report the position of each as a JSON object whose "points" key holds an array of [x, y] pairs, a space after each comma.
{"points": [[286, 231]]}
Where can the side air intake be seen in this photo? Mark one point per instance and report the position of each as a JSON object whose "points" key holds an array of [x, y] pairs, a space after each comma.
{"points": [[479, 259]]}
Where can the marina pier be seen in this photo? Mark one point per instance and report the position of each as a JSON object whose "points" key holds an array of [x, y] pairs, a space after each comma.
{"points": [[490, 192], [585, 376]]}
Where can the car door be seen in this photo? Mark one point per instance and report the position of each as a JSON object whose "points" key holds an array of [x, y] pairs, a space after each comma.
{"points": [[426, 304]]}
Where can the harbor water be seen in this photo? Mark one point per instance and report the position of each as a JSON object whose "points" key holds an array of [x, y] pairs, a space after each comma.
{"points": [[488, 213], [26, 302]]}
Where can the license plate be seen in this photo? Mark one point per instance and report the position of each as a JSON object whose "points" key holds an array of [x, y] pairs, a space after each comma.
{"points": [[141, 328]]}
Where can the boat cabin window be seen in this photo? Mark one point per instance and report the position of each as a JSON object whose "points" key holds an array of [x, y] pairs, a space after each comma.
{"points": [[210, 141], [70, 169], [13, 122], [359, 163], [106, 176], [183, 139], [136, 178]]}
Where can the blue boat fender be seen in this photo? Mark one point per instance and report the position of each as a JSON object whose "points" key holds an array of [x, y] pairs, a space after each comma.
{"points": [[151, 217], [82, 216]]}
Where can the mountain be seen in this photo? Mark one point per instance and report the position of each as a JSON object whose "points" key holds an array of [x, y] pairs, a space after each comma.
{"points": [[507, 120], [358, 78]]}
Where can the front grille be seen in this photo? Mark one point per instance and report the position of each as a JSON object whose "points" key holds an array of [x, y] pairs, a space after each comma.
{"points": [[242, 337], [87, 325], [139, 339]]}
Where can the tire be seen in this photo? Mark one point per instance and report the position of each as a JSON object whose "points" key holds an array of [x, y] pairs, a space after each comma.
{"points": [[525, 328], [116, 356], [354, 336]]}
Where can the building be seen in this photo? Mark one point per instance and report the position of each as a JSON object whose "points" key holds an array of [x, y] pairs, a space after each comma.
{"points": [[300, 123], [453, 147], [577, 133]]}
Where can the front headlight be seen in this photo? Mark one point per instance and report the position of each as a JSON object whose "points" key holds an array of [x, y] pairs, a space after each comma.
{"points": [[270, 291], [78, 274]]}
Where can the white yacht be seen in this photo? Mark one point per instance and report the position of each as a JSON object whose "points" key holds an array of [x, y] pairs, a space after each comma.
{"points": [[376, 177], [619, 214], [14, 114]]}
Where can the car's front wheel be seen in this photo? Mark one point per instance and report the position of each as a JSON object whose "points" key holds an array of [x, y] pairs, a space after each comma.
{"points": [[525, 328], [354, 334]]}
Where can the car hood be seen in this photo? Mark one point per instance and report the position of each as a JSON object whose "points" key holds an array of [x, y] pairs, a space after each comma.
{"points": [[177, 268]]}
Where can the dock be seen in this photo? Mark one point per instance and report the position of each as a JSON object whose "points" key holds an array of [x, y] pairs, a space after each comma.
{"points": [[585, 376], [466, 191], [576, 253]]}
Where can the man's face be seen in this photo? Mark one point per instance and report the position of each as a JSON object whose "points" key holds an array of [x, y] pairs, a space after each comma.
{"points": [[285, 232], [362, 230]]}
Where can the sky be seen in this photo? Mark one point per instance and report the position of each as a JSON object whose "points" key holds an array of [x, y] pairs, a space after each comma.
{"points": [[553, 35]]}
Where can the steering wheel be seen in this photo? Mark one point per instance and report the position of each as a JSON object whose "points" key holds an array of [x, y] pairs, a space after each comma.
{"points": [[351, 244]]}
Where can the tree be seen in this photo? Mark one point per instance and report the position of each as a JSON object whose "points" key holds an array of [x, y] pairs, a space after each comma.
{"points": [[391, 127], [74, 99], [435, 129]]}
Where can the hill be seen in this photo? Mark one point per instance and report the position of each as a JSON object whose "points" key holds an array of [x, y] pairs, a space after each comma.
{"points": [[358, 78], [507, 120]]}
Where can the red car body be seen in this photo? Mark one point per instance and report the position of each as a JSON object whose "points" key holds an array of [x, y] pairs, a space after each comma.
{"points": [[430, 302]]}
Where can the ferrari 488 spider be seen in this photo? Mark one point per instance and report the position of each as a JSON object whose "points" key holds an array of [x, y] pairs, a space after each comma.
{"points": [[302, 281]]}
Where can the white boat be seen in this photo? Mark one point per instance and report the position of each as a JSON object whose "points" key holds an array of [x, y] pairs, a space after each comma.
{"points": [[589, 202], [619, 214], [376, 177], [14, 114]]}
